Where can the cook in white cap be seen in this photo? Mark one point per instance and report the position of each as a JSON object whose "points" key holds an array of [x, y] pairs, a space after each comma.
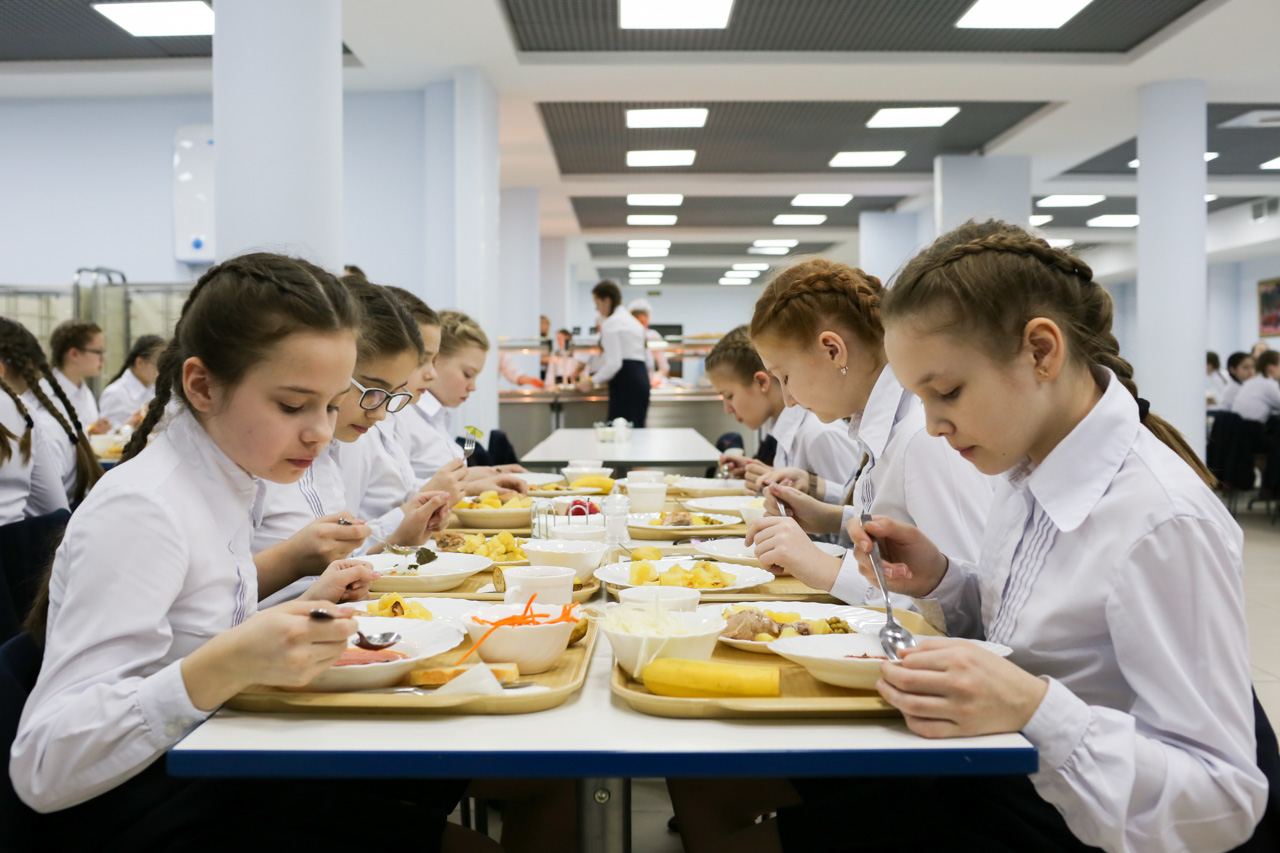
{"points": [[655, 360]]}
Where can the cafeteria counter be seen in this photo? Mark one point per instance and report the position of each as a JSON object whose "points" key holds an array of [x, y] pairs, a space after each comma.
{"points": [[528, 416]]}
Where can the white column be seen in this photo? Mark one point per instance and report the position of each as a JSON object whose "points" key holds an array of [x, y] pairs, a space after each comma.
{"points": [[520, 286], [1171, 253], [886, 241], [966, 187], [461, 218], [556, 281], [277, 116]]}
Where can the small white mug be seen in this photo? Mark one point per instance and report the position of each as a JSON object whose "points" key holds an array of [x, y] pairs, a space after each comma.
{"points": [[585, 463], [553, 584], [646, 477], [670, 597], [647, 497]]}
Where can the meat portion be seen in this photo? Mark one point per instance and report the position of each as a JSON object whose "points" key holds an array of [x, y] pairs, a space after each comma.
{"points": [[679, 518], [450, 541], [746, 624], [356, 657]]}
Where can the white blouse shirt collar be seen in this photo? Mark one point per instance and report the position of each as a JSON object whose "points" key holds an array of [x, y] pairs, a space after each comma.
{"points": [[887, 404], [785, 426], [134, 384], [189, 437], [1075, 475]]}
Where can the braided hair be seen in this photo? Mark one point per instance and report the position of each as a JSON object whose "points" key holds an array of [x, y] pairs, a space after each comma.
{"points": [[236, 314], [992, 278], [146, 346], [735, 354], [21, 352], [819, 294], [458, 330], [7, 438], [388, 328]]}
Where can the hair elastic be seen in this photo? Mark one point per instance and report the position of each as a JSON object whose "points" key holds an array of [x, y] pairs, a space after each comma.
{"points": [[1144, 409], [26, 416]]}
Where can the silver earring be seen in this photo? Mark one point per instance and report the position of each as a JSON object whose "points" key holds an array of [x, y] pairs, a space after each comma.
{"points": [[844, 371]]}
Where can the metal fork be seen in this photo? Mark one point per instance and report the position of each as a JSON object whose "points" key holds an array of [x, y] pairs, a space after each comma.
{"points": [[468, 447]]}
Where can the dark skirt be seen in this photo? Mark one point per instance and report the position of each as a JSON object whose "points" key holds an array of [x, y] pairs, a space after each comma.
{"points": [[629, 393], [992, 814]]}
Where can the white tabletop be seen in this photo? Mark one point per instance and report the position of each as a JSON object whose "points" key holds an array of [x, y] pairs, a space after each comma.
{"points": [[681, 446], [593, 734]]}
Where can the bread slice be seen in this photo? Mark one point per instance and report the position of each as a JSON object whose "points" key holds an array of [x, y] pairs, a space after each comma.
{"points": [[436, 676]]}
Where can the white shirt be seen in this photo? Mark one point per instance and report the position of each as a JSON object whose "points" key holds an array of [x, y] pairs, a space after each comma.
{"points": [[30, 487], [1116, 575], [655, 360], [377, 476], [1257, 399], [81, 397], [824, 449], [286, 508], [910, 476], [621, 339], [425, 431], [123, 397], [154, 563], [59, 449], [1228, 398]]}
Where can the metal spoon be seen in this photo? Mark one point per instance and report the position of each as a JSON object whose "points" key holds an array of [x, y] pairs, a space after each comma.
{"points": [[398, 550], [371, 642], [893, 637]]}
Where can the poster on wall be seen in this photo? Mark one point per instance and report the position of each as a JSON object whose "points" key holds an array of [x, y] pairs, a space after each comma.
{"points": [[1269, 308]]}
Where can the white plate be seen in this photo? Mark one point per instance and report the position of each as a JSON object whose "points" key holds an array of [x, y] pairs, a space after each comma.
{"points": [[565, 493], [535, 480], [443, 609], [446, 572], [744, 577], [705, 487], [735, 550], [860, 619], [728, 504], [493, 519], [827, 657], [640, 521], [419, 640], [435, 546]]}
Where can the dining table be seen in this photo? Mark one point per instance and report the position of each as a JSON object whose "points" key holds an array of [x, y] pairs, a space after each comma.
{"points": [[594, 738], [647, 447]]}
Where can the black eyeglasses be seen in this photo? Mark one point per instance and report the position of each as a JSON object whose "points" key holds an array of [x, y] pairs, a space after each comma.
{"points": [[372, 398], [100, 352]]}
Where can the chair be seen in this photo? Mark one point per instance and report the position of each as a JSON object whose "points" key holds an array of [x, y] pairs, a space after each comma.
{"points": [[26, 549], [1229, 455], [1266, 838], [19, 667]]}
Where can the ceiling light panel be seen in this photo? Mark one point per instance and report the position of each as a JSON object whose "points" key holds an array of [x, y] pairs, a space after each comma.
{"points": [[648, 267], [674, 14], [1063, 200], [736, 281], [1114, 220], [689, 117], [152, 20], [655, 199], [1210, 197], [1020, 14], [1061, 242], [750, 266], [786, 244], [1039, 219], [766, 250], [748, 274], [651, 219], [866, 159], [821, 200], [799, 219], [1208, 156], [913, 116], [648, 244], [676, 157], [647, 253], [1271, 164]]}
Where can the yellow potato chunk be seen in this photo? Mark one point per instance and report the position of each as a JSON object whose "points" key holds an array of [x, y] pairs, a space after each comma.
{"points": [[788, 632], [763, 638], [646, 552], [642, 573]]}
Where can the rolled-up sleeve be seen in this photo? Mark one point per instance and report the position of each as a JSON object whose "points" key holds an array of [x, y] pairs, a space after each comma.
{"points": [[610, 353]]}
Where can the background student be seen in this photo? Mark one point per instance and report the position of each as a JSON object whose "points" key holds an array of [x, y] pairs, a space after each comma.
{"points": [[123, 400], [1240, 368], [78, 352], [29, 482]]}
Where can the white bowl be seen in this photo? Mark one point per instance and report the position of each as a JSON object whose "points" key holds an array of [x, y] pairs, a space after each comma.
{"points": [[420, 640], [636, 651], [533, 648], [493, 519], [585, 463], [828, 657], [751, 513], [574, 474], [561, 505], [579, 532], [584, 557], [671, 597]]}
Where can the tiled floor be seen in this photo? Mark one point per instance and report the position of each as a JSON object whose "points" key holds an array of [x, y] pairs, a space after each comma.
{"points": [[651, 808]]}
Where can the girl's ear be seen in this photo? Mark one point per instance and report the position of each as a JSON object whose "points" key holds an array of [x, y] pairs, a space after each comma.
{"points": [[833, 346], [1044, 347], [763, 381], [197, 384]]}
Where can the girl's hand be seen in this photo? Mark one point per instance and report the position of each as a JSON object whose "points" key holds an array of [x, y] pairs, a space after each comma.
{"points": [[424, 514], [951, 688], [99, 427], [449, 478], [811, 514], [737, 464], [498, 483], [585, 385], [343, 580], [280, 646], [513, 468], [912, 564], [325, 540], [796, 478], [782, 547]]}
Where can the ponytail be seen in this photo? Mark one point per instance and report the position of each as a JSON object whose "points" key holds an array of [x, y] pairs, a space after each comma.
{"points": [[797, 303], [7, 438]]}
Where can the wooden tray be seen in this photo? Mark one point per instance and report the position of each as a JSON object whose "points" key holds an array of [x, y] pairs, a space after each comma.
{"points": [[803, 696], [470, 587], [784, 588], [668, 535], [563, 680]]}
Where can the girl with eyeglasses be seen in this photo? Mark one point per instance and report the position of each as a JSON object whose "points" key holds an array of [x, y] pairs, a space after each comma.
{"points": [[302, 527], [79, 351]]}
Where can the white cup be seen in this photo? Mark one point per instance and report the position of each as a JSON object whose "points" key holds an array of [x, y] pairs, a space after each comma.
{"points": [[553, 584], [580, 532], [735, 451], [585, 463], [647, 497], [671, 597], [751, 513], [646, 477]]}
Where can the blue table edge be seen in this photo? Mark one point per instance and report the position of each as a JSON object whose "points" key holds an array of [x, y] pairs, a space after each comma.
{"points": [[383, 763]]}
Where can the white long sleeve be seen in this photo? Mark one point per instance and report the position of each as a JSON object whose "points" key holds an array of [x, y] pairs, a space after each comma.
{"points": [[47, 491], [621, 339]]}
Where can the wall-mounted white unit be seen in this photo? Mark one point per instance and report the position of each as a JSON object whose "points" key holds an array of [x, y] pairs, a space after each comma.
{"points": [[193, 238]]}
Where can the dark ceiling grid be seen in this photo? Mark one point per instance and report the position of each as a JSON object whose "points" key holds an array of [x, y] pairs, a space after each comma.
{"points": [[1078, 217], [754, 137], [722, 211], [1240, 149], [1105, 26], [674, 276], [702, 250]]}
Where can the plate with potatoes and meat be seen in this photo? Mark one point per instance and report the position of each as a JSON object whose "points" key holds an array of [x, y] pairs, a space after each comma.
{"points": [[751, 627]]}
